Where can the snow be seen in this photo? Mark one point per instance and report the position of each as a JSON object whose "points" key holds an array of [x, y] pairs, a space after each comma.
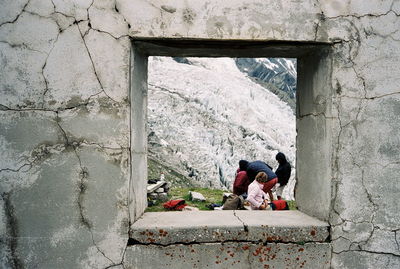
{"points": [[207, 115]]}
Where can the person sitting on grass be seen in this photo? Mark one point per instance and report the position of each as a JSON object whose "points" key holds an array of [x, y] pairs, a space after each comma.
{"points": [[256, 195], [241, 182], [256, 167]]}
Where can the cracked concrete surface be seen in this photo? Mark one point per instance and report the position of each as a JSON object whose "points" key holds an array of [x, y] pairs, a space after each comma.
{"points": [[65, 131], [227, 226]]}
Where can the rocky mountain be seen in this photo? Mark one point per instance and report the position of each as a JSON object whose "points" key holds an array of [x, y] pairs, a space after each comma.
{"points": [[204, 115], [279, 75]]}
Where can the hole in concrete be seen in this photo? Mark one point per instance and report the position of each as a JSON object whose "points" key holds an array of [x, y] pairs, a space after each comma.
{"points": [[313, 155]]}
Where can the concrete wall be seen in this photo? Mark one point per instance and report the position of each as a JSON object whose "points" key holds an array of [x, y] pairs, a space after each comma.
{"points": [[65, 128], [314, 134]]}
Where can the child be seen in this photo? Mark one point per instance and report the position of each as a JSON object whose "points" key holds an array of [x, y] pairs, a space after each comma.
{"points": [[256, 195]]}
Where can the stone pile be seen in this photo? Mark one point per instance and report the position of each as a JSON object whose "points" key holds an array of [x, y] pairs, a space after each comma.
{"points": [[158, 191]]}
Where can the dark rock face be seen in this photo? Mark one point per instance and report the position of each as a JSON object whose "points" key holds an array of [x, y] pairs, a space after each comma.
{"points": [[279, 75]]}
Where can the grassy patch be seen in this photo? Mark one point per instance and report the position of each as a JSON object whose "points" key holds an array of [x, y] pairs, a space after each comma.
{"points": [[157, 207], [212, 196], [292, 205]]}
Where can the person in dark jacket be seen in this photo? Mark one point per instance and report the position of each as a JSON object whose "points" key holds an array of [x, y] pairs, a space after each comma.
{"points": [[241, 182], [283, 172], [255, 167]]}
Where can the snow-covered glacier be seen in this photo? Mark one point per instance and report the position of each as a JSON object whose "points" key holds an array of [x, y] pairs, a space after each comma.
{"points": [[204, 115]]}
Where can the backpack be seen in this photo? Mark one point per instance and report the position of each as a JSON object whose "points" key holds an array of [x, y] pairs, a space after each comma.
{"points": [[279, 205], [233, 202], [177, 204]]}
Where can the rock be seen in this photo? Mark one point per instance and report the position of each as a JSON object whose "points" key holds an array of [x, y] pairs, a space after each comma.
{"points": [[153, 196], [167, 186], [190, 208], [196, 196], [160, 190], [226, 194], [163, 196]]}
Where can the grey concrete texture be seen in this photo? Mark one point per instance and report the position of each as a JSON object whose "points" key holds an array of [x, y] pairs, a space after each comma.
{"points": [[65, 127], [166, 228], [314, 135], [229, 255]]}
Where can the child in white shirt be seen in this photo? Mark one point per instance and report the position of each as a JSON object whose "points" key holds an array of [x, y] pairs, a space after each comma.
{"points": [[256, 195]]}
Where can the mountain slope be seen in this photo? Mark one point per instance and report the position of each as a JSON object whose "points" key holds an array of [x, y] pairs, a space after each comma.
{"points": [[277, 74]]}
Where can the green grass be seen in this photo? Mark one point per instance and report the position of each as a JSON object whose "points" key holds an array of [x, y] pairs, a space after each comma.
{"points": [[155, 208], [292, 205], [212, 196]]}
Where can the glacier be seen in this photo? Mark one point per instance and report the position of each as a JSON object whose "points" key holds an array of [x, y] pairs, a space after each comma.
{"points": [[204, 115]]}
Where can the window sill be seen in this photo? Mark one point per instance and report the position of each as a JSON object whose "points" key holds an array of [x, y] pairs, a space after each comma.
{"points": [[165, 228]]}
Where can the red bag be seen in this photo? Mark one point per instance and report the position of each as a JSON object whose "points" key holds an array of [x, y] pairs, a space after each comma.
{"points": [[177, 204], [279, 205]]}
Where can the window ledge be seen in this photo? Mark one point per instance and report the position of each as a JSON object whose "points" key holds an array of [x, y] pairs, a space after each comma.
{"points": [[187, 227]]}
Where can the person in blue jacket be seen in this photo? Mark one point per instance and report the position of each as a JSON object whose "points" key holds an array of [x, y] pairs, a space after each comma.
{"points": [[253, 168]]}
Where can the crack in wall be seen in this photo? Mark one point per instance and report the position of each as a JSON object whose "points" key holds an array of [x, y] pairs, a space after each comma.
{"points": [[122, 259], [20, 108], [18, 15], [245, 226], [131, 190], [318, 24], [366, 15], [39, 153], [46, 90], [93, 65], [43, 67], [365, 242], [371, 97], [82, 187], [312, 114], [395, 239], [16, 170], [105, 32], [83, 175], [12, 230], [134, 242], [356, 245], [367, 251], [22, 46]]}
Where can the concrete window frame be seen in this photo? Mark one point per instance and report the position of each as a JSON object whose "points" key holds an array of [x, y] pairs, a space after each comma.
{"points": [[313, 112]]}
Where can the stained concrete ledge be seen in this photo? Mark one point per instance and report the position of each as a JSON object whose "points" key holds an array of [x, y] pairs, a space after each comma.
{"points": [[165, 228], [230, 255]]}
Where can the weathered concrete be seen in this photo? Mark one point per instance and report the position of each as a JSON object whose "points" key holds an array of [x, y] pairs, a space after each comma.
{"points": [[72, 130], [221, 226], [283, 226], [138, 99], [230, 255]]}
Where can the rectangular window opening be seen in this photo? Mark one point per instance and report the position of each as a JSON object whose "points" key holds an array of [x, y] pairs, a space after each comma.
{"points": [[173, 123], [206, 114]]}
